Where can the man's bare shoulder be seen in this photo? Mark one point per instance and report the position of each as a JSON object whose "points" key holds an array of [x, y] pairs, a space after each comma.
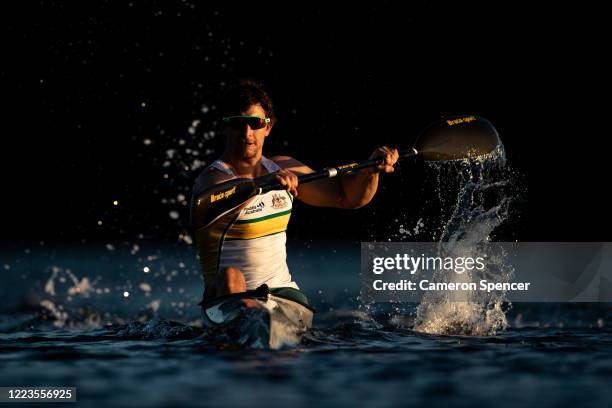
{"points": [[288, 162]]}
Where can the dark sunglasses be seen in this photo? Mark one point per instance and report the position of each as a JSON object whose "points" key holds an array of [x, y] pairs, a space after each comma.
{"points": [[239, 122]]}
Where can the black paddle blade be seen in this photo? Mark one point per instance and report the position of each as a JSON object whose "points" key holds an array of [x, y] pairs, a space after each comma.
{"points": [[219, 200], [459, 137]]}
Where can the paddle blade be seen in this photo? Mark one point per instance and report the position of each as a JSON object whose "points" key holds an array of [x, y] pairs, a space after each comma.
{"points": [[456, 138], [218, 200]]}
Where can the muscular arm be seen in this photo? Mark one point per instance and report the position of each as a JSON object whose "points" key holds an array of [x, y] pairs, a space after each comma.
{"points": [[347, 191]]}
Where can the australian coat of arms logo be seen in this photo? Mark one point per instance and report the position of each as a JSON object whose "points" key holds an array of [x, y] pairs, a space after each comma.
{"points": [[279, 201]]}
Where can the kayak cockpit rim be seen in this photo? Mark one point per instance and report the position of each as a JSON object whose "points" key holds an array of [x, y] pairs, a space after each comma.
{"points": [[261, 293]]}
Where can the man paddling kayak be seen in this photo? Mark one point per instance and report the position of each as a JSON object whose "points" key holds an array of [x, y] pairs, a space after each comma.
{"points": [[246, 248]]}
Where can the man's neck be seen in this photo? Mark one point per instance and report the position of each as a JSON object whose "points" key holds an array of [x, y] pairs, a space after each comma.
{"points": [[244, 166]]}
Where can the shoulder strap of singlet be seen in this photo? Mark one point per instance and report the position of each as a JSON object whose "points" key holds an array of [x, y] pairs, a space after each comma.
{"points": [[222, 166], [268, 164]]}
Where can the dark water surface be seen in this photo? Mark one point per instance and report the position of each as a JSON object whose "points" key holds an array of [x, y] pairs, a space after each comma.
{"points": [[118, 350]]}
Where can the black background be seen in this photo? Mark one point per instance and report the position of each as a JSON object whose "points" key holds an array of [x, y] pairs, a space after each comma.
{"points": [[84, 84]]}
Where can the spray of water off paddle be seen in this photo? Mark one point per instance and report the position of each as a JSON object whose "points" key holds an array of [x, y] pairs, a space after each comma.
{"points": [[475, 197]]}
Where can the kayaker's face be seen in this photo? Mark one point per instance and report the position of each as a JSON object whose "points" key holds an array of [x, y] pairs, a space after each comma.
{"points": [[244, 141]]}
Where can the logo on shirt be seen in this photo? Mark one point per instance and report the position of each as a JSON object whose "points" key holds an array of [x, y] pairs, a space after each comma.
{"points": [[254, 208], [279, 201]]}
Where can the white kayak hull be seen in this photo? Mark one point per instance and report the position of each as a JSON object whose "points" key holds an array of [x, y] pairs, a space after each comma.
{"points": [[275, 323]]}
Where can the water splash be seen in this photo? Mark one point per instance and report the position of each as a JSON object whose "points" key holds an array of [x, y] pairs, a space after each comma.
{"points": [[134, 284], [477, 192]]}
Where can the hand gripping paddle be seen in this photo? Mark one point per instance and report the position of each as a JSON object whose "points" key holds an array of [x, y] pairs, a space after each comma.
{"points": [[455, 138]]}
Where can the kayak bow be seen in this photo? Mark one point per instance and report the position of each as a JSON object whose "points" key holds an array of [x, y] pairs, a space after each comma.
{"points": [[277, 321]]}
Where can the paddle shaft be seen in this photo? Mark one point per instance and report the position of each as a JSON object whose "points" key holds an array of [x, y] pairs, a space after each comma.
{"points": [[330, 172], [453, 138]]}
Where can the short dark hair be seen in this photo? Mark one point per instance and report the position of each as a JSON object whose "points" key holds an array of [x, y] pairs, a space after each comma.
{"points": [[242, 94]]}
